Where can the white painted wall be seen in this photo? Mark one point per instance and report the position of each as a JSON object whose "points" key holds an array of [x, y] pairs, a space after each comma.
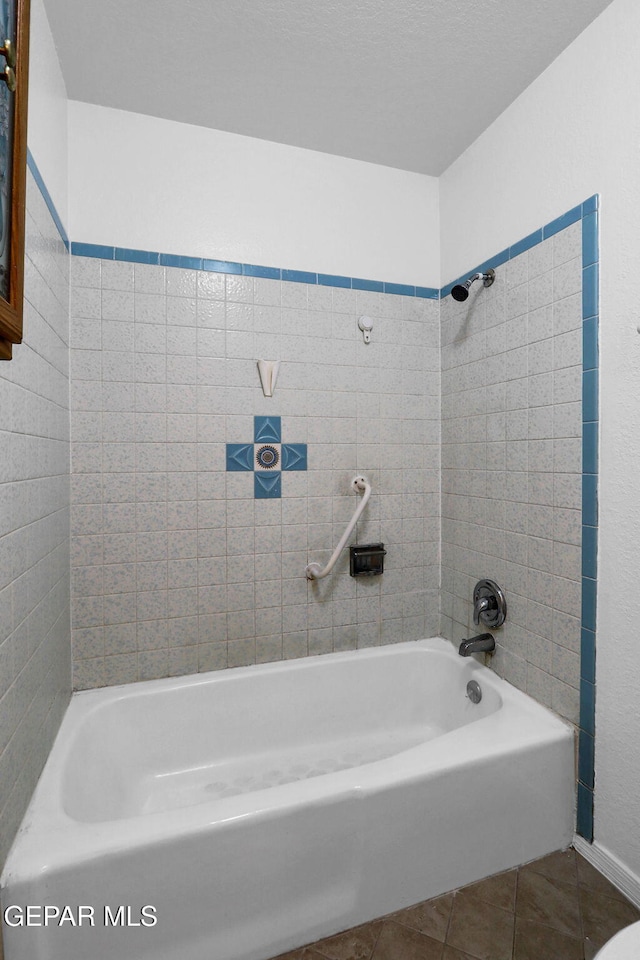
{"points": [[576, 132], [154, 184], [47, 131]]}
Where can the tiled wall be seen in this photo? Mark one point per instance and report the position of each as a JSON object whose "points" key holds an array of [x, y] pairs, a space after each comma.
{"points": [[189, 555], [177, 566], [512, 463], [34, 522]]}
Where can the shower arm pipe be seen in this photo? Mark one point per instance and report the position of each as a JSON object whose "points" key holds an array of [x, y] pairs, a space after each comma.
{"points": [[314, 571]]}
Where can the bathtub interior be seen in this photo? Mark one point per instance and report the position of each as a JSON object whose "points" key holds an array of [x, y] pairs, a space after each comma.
{"points": [[158, 748]]}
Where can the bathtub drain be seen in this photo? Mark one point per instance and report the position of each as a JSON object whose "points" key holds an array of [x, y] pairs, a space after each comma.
{"points": [[474, 692]]}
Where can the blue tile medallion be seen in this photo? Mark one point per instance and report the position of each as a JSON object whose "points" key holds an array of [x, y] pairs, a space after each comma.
{"points": [[264, 455]]}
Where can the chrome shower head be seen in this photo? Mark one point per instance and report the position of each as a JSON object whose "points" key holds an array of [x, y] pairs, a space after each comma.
{"points": [[461, 290]]}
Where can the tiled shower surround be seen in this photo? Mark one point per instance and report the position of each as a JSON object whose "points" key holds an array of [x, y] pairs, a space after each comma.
{"points": [[177, 567], [512, 464], [35, 669]]}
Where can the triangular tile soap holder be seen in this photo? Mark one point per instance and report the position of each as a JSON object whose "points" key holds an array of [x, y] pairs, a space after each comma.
{"points": [[268, 370]]}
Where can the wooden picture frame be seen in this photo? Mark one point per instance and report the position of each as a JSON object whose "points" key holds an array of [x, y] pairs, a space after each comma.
{"points": [[14, 27]]}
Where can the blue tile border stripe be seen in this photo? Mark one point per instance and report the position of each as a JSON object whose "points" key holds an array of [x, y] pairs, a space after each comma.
{"points": [[401, 289], [102, 252], [585, 759], [531, 241], [46, 196], [136, 256], [328, 280], [374, 286], [590, 253], [267, 273], [588, 213], [170, 260], [584, 824], [571, 216], [95, 250], [590, 432], [221, 266], [588, 656], [590, 343]]}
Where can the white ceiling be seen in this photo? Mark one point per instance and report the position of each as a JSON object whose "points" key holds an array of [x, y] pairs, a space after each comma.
{"points": [[405, 83]]}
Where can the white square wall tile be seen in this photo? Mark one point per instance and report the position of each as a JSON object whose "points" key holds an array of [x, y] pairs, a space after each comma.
{"points": [[115, 275]]}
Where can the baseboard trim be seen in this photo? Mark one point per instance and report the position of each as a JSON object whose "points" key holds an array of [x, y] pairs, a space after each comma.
{"points": [[609, 865]]}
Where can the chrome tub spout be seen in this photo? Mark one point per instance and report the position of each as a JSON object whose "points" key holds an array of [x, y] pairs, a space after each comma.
{"points": [[483, 643]]}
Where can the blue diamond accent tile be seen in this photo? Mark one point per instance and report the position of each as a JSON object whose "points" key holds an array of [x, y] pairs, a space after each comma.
{"points": [[294, 456], [239, 456], [267, 486], [267, 429]]}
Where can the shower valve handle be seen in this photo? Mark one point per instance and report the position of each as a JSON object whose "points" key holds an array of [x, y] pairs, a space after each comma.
{"points": [[489, 604]]}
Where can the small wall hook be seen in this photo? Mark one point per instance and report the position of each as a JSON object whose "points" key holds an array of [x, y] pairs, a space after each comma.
{"points": [[366, 325]]}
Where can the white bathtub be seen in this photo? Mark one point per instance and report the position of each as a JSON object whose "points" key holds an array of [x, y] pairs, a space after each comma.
{"points": [[260, 808]]}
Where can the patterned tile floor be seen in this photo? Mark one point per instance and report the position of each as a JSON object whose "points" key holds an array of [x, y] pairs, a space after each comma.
{"points": [[557, 908]]}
